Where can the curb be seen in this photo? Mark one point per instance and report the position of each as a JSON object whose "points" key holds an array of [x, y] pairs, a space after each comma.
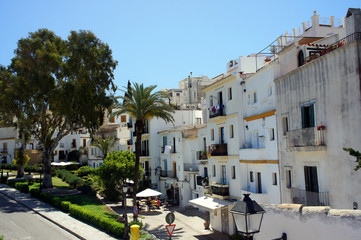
{"points": [[42, 215]]}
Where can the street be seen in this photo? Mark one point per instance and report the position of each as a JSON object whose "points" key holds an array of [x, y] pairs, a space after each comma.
{"points": [[18, 222]]}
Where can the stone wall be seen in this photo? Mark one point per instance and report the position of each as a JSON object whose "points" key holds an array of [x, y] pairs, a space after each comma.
{"points": [[300, 222]]}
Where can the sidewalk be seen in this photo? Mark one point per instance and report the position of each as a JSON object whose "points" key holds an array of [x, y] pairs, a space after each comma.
{"points": [[63, 220]]}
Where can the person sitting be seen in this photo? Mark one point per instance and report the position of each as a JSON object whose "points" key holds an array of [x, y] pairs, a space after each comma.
{"points": [[149, 203], [158, 203]]}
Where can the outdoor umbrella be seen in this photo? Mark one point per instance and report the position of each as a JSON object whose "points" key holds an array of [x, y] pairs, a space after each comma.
{"points": [[148, 193]]}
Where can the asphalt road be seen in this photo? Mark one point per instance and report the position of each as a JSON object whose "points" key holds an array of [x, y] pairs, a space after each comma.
{"points": [[19, 222]]}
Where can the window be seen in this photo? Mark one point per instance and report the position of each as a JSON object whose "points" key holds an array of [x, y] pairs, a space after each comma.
{"points": [[248, 99], [199, 121], [308, 115], [254, 97], [84, 142], [214, 170], [288, 179], [112, 119], [231, 132], [221, 135], [212, 134], [211, 100], [123, 118], [5, 147], [73, 144], [233, 172], [272, 134], [251, 176], [224, 176], [229, 93], [285, 125], [269, 90], [274, 178]]}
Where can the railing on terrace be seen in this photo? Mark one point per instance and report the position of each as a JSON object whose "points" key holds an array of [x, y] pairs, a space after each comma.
{"points": [[200, 179], [219, 189], [217, 110], [167, 173], [306, 137], [190, 167], [250, 145], [219, 149], [350, 38], [309, 198], [202, 155]]}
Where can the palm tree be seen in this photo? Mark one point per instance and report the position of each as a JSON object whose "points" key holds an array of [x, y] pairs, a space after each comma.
{"points": [[104, 144], [142, 104]]}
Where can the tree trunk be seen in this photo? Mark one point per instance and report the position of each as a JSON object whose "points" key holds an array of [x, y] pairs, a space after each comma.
{"points": [[138, 145], [21, 154], [47, 181]]}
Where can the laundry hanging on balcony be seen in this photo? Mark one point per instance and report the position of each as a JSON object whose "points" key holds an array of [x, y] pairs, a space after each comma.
{"points": [[167, 149]]}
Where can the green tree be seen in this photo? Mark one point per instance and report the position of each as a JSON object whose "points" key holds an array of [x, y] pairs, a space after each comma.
{"points": [[355, 154], [61, 86], [143, 104], [115, 170], [105, 144]]}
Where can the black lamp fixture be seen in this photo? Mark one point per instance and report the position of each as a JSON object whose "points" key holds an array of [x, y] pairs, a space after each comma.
{"points": [[248, 215]]}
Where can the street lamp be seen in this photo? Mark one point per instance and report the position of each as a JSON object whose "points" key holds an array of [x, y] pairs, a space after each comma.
{"points": [[248, 216], [125, 189]]}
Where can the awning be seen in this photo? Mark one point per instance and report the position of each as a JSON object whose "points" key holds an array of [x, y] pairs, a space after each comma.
{"points": [[209, 203], [148, 193]]}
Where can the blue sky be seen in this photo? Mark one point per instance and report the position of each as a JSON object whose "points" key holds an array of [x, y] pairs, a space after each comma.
{"points": [[160, 42]]}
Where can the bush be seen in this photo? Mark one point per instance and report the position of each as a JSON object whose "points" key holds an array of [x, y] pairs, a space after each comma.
{"points": [[12, 182], [65, 205], [140, 223], [88, 190], [9, 166], [84, 171], [70, 178], [45, 197], [22, 187], [34, 189], [3, 179]]}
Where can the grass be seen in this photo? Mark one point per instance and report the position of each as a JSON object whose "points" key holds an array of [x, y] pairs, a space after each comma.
{"points": [[58, 183], [91, 204]]}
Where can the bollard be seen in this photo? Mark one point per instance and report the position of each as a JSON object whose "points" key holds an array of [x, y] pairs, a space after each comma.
{"points": [[134, 230]]}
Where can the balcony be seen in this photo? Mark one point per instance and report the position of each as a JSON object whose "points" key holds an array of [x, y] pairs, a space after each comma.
{"points": [[218, 110], [144, 153], [202, 155], [306, 137], [129, 142], [191, 167], [219, 149], [200, 179], [221, 190], [253, 145], [129, 125], [309, 198], [169, 174]]}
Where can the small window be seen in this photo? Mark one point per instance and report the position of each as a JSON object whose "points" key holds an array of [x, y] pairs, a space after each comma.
{"points": [[274, 178], [285, 125], [269, 90], [5, 147], [251, 176], [211, 100], [73, 144], [123, 118], [112, 119], [288, 179], [248, 99], [308, 116], [212, 134], [254, 97], [214, 170], [231, 131], [229, 93], [233, 172], [198, 121], [272, 134], [84, 142]]}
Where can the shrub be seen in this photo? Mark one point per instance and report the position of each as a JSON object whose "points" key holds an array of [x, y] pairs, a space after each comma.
{"points": [[70, 178], [22, 187], [65, 205], [140, 223], [84, 171], [56, 202], [12, 182], [9, 166], [34, 189], [3, 179], [45, 197], [88, 190]]}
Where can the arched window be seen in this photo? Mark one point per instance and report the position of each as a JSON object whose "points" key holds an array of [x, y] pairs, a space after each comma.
{"points": [[301, 58]]}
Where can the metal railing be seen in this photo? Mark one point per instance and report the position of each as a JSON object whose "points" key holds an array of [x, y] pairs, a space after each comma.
{"points": [[167, 173], [306, 137], [219, 149], [218, 189], [250, 145], [190, 167], [202, 155], [309, 198], [216, 111]]}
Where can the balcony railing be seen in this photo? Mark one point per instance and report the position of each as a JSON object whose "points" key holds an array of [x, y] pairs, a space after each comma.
{"points": [[220, 189], [202, 155], [218, 110], [306, 137], [309, 198], [190, 167], [168, 173], [200, 179], [219, 149], [144, 153], [254, 145]]}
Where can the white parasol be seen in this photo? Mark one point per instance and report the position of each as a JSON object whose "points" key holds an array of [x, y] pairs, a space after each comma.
{"points": [[148, 193]]}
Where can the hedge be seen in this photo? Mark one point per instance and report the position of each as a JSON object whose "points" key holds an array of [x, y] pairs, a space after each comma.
{"points": [[22, 187], [84, 171], [3, 179], [70, 178], [27, 168], [34, 190]]}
